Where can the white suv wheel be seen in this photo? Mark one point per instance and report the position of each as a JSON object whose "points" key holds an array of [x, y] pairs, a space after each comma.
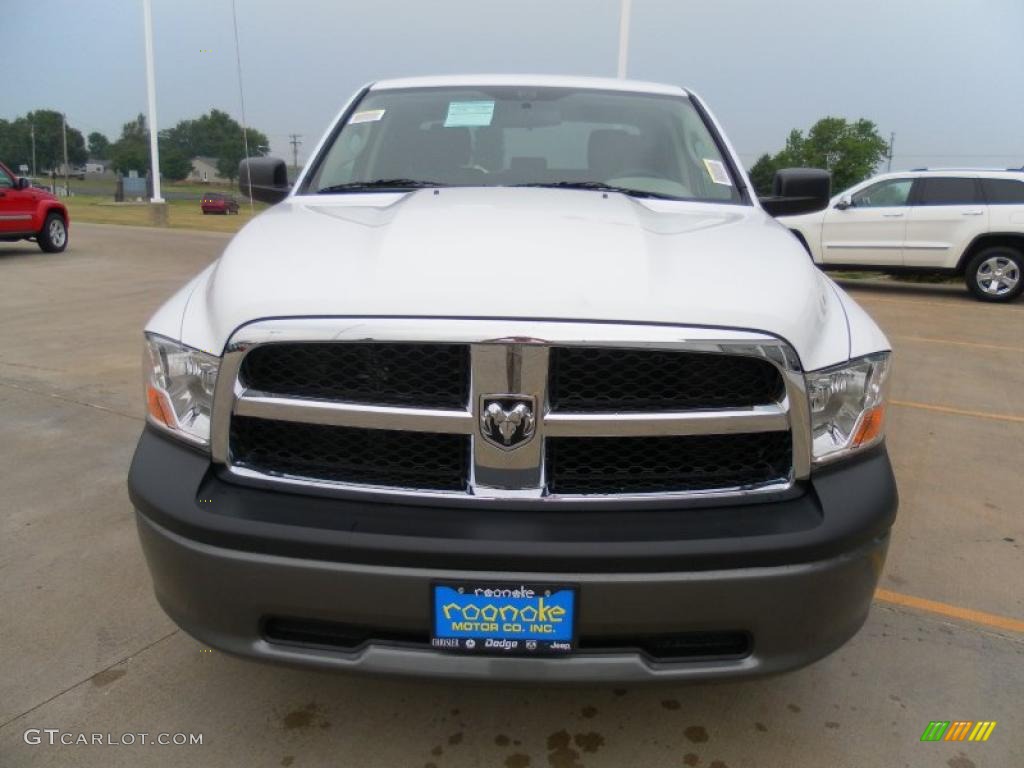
{"points": [[995, 274]]}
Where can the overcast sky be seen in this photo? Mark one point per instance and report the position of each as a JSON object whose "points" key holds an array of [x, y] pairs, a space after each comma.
{"points": [[947, 76]]}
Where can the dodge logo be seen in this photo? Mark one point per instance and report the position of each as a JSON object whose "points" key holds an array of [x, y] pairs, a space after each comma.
{"points": [[507, 421]]}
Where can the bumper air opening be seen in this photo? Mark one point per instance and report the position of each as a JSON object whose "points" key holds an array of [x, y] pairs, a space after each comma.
{"points": [[682, 646]]}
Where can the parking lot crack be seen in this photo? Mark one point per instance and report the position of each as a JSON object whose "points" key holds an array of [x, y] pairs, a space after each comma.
{"points": [[73, 686], [66, 399]]}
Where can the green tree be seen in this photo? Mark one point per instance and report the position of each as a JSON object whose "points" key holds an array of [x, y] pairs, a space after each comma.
{"points": [[15, 145], [232, 152], [217, 134], [850, 150], [48, 124], [99, 146], [49, 131], [131, 151], [762, 173], [175, 165]]}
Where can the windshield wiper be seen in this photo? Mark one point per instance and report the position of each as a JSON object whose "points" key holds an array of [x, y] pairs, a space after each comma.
{"points": [[599, 186], [379, 184]]}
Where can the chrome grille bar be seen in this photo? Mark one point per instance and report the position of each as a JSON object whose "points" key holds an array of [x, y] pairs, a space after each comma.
{"points": [[762, 418], [264, 406], [511, 357]]}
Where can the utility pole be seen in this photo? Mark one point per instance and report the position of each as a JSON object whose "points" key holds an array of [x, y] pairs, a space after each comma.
{"points": [[64, 124], [32, 133], [154, 152], [624, 14], [295, 139], [241, 98], [892, 141]]}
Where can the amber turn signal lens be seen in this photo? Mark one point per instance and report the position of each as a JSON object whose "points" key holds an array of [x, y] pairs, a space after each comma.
{"points": [[159, 408], [871, 426]]}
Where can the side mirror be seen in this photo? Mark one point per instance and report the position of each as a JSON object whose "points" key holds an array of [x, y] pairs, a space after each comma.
{"points": [[265, 178], [798, 190], [23, 183], [844, 202]]}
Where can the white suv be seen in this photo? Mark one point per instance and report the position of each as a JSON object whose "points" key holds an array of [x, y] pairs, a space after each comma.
{"points": [[964, 222]]}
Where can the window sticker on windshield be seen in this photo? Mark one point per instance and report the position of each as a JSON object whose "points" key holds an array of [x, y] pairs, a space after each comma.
{"points": [[716, 170], [366, 116], [466, 114]]}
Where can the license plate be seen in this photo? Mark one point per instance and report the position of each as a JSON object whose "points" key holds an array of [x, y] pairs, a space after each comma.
{"points": [[512, 619]]}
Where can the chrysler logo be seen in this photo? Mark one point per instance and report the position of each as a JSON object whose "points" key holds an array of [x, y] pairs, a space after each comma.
{"points": [[507, 421]]}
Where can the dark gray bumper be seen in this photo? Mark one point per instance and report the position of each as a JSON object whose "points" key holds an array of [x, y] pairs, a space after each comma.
{"points": [[796, 575], [796, 614]]}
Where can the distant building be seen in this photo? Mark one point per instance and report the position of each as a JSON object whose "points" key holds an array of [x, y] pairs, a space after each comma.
{"points": [[96, 166], [205, 169]]}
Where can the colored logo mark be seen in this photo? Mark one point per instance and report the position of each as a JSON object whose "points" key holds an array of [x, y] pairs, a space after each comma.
{"points": [[958, 730]]}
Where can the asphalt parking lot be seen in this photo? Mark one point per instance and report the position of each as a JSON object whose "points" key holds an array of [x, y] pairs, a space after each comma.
{"points": [[85, 648]]}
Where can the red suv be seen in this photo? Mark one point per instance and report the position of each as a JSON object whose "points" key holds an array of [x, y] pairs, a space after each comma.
{"points": [[30, 213], [213, 202]]}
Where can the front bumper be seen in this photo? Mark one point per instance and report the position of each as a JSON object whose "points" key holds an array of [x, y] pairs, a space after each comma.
{"points": [[797, 574]]}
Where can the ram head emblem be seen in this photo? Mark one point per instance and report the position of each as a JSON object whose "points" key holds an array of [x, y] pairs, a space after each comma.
{"points": [[507, 421]]}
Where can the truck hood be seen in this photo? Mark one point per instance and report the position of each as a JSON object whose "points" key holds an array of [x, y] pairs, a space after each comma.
{"points": [[495, 252]]}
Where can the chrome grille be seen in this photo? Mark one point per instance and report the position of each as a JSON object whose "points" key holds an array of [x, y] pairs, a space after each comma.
{"points": [[729, 418]]}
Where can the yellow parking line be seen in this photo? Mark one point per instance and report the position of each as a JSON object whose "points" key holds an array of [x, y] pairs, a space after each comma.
{"points": [[959, 411], [959, 343], [951, 611]]}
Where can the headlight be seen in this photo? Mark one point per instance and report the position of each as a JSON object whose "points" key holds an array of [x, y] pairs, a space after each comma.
{"points": [[179, 384], [848, 406]]}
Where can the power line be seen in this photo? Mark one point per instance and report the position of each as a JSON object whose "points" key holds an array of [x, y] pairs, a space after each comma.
{"points": [[295, 139]]}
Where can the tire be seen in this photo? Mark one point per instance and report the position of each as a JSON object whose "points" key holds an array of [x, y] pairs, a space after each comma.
{"points": [[996, 274], [53, 237]]}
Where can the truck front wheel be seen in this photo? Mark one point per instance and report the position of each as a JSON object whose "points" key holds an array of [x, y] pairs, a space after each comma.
{"points": [[53, 237]]}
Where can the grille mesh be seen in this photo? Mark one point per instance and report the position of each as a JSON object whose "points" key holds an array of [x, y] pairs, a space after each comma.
{"points": [[351, 455], [588, 379], [666, 464], [421, 375]]}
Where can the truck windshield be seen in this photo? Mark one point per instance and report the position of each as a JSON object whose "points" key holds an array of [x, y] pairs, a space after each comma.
{"points": [[647, 145]]}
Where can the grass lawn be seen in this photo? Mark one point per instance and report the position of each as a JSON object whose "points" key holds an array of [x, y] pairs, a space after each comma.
{"points": [[181, 214], [104, 185]]}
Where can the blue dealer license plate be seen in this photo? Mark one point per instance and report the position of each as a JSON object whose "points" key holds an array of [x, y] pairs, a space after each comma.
{"points": [[512, 619]]}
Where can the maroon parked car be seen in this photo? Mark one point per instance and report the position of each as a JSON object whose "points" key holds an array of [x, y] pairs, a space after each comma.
{"points": [[213, 202]]}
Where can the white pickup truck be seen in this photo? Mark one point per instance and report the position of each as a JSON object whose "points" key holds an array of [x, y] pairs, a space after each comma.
{"points": [[518, 381]]}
